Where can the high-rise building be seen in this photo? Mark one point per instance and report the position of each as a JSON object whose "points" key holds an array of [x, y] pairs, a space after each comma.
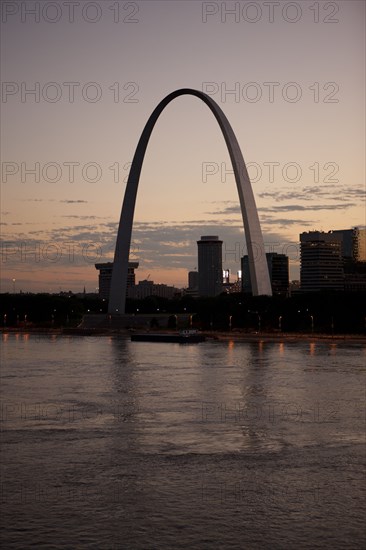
{"points": [[359, 244], [193, 280], [192, 289], [321, 261], [334, 260], [355, 266], [353, 243], [105, 276], [209, 266], [278, 268], [346, 238]]}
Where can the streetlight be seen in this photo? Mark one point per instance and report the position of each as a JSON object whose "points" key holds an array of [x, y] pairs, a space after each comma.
{"points": [[280, 322], [13, 286], [4, 319], [312, 323], [230, 318]]}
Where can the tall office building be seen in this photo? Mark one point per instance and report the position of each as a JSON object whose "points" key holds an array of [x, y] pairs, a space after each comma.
{"points": [[334, 260], [278, 268], [359, 244], [353, 243], [209, 266], [192, 289], [193, 280], [354, 258], [321, 261], [105, 277]]}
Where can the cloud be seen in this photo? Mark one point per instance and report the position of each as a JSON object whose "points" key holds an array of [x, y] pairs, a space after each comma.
{"points": [[37, 200], [284, 222], [74, 201], [235, 209], [157, 246], [313, 193], [310, 208], [64, 201], [79, 217]]}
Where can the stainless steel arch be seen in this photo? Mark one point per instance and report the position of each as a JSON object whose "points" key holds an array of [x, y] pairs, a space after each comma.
{"points": [[257, 259]]}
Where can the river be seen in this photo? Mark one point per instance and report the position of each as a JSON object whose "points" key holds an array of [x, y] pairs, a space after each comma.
{"points": [[113, 444]]}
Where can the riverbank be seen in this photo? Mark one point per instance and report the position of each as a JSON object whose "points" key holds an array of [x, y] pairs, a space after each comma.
{"points": [[235, 336], [280, 337]]}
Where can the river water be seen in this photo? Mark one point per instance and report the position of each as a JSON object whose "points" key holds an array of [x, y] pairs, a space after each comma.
{"points": [[113, 444]]}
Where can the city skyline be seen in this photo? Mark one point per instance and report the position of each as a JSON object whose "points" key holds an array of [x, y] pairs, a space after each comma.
{"points": [[305, 157]]}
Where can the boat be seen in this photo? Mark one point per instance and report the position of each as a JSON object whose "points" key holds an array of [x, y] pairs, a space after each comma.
{"points": [[183, 337]]}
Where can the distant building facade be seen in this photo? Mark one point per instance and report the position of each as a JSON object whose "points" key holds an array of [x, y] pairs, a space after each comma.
{"points": [[193, 280], [209, 266], [353, 243], [231, 287], [335, 260], [147, 288], [192, 289], [321, 262], [105, 277], [278, 268], [294, 287], [359, 244]]}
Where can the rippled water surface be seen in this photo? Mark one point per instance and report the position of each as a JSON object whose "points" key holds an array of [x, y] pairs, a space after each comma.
{"points": [[108, 443]]}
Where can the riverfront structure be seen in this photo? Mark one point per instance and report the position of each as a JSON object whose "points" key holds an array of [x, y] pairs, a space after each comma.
{"points": [[253, 234]]}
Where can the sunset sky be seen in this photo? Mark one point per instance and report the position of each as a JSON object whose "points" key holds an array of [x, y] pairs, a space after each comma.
{"points": [[290, 77]]}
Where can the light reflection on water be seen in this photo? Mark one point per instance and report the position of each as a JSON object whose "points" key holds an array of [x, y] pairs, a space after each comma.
{"points": [[236, 445]]}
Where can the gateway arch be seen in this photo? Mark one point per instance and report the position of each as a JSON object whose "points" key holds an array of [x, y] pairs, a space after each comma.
{"points": [[257, 259]]}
